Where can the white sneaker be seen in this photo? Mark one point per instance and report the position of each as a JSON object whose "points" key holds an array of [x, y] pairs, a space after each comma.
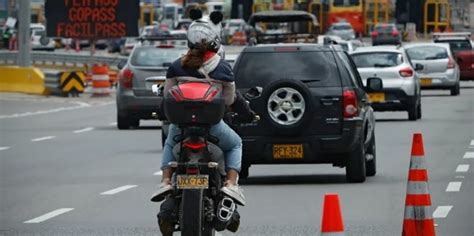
{"points": [[235, 192], [160, 194]]}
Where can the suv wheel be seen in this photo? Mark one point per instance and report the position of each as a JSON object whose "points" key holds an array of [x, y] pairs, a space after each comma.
{"points": [[455, 90], [355, 167], [289, 105], [371, 155], [123, 122]]}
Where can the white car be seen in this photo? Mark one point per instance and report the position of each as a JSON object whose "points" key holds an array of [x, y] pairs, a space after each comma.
{"points": [[39, 40], [401, 84], [440, 70]]}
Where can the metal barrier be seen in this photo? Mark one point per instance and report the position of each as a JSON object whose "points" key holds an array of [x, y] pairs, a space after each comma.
{"points": [[64, 83], [61, 60]]}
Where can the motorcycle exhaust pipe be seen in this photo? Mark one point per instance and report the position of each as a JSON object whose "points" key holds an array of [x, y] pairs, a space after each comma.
{"points": [[225, 210]]}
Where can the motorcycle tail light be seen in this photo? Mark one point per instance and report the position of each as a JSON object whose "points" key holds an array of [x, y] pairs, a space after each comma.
{"points": [[192, 171]]}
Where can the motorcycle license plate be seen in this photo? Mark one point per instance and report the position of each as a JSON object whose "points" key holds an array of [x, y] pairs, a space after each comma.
{"points": [[288, 151], [192, 181]]}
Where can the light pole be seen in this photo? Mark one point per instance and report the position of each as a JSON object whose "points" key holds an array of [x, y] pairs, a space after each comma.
{"points": [[24, 57]]}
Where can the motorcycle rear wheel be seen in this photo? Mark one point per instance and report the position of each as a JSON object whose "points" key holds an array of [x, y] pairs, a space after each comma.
{"points": [[192, 217]]}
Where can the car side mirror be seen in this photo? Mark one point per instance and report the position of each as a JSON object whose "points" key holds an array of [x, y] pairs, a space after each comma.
{"points": [[419, 67], [374, 84], [253, 93], [121, 64]]}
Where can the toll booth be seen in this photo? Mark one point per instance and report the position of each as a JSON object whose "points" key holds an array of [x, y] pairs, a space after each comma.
{"points": [[317, 9], [147, 14], [376, 11], [437, 16]]}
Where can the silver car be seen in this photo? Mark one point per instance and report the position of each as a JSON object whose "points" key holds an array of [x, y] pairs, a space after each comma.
{"points": [[342, 29], [401, 85], [147, 65], [440, 70]]}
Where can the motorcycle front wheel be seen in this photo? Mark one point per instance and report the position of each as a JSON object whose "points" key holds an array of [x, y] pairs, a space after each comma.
{"points": [[192, 214]]}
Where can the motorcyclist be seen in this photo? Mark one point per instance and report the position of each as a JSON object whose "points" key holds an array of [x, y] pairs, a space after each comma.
{"points": [[202, 61]]}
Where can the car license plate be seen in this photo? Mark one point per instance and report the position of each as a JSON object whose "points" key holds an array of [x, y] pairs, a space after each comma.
{"points": [[376, 97], [288, 151], [426, 81], [192, 181]]}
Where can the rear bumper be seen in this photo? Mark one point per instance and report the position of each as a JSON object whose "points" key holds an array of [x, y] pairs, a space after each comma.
{"points": [[316, 149], [138, 107], [440, 80], [395, 100]]}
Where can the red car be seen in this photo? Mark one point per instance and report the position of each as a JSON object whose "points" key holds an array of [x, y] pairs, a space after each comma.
{"points": [[463, 50]]}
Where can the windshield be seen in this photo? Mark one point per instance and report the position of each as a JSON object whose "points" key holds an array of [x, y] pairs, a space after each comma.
{"points": [[346, 3], [258, 69], [342, 27], [427, 53], [155, 57], [377, 59]]}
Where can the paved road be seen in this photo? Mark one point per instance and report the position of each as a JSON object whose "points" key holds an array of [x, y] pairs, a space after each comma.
{"points": [[66, 170]]}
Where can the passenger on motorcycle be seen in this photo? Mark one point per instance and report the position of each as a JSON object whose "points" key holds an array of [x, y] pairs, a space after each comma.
{"points": [[202, 61]]}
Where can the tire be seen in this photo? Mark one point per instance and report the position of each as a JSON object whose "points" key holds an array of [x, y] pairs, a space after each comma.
{"points": [[413, 113], [303, 116], [419, 111], [371, 165], [355, 167], [123, 122], [191, 214], [455, 90]]}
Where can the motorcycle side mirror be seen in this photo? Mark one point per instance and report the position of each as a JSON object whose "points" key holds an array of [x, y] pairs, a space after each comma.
{"points": [[254, 93]]}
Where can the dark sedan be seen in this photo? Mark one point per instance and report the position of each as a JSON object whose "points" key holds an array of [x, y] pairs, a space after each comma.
{"points": [[386, 34], [146, 66]]}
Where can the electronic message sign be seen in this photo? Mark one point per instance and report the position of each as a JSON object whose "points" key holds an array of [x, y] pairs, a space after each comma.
{"points": [[92, 19]]}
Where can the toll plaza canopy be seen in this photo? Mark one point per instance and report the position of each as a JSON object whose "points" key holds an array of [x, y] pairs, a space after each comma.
{"points": [[92, 19]]}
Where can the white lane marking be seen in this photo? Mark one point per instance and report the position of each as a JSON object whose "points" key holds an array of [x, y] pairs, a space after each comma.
{"points": [[48, 216], [454, 187], [459, 177], [118, 190], [462, 168], [42, 138], [158, 173], [469, 155], [84, 130], [4, 148], [113, 124], [442, 211], [472, 143], [16, 115]]}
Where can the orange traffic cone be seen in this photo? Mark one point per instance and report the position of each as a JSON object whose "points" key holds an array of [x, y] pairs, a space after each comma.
{"points": [[418, 219], [332, 217]]}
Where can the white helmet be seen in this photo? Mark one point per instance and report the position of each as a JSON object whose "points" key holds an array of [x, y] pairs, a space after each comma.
{"points": [[205, 28]]}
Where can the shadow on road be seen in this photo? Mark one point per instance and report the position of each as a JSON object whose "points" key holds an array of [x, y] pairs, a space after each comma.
{"points": [[294, 179], [392, 120], [436, 95], [107, 128]]}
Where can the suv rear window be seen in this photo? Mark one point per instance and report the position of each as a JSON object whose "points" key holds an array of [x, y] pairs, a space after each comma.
{"points": [[313, 68], [155, 57], [427, 53], [377, 59]]}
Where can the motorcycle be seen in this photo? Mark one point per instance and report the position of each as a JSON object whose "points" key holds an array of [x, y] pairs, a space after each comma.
{"points": [[199, 172]]}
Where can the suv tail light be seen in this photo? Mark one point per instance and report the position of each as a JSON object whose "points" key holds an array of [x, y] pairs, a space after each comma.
{"points": [[127, 78], [350, 103], [406, 72], [451, 64], [374, 34]]}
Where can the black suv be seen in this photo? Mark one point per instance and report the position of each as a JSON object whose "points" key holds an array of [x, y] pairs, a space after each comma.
{"points": [[313, 108]]}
